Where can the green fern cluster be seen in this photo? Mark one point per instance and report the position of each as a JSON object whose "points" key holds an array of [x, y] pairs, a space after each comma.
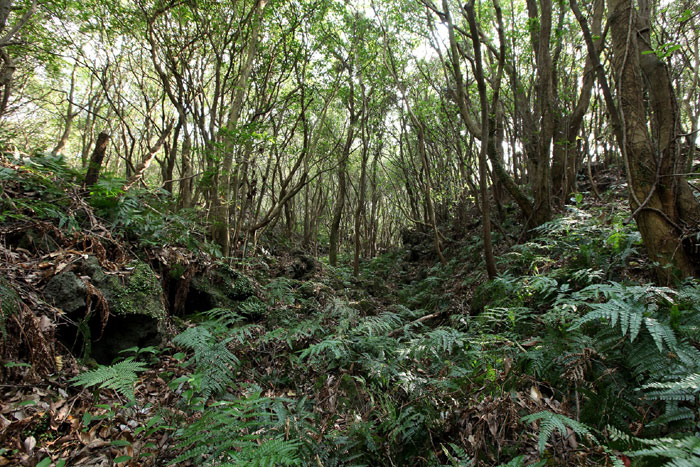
{"points": [[550, 421], [212, 359], [682, 451], [121, 377], [243, 431]]}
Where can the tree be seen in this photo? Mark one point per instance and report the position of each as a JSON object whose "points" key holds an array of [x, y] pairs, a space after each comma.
{"points": [[663, 204], [11, 25]]}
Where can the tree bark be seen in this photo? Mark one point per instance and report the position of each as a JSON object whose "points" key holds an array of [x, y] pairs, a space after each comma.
{"points": [[146, 162], [660, 198], [98, 155], [483, 176]]}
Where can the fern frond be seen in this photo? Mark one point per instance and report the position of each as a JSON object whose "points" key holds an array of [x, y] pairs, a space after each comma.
{"points": [[686, 389], [211, 358], [281, 290], [336, 347], [239, 432], [120, 377], [550, 421], [223, 316], [679, 452], [660, 333], [194, 338], [380, 324], [439, 342]]}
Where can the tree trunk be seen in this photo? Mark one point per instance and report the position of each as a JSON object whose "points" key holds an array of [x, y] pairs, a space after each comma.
{"points": [[544, 130], [69, 117], [98, 155], [485, 118], [146, 162], [660, 198], [340, 200], [221, 228]]}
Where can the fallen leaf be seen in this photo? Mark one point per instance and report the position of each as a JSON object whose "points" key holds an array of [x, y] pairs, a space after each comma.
{"points": [[29, 444]]}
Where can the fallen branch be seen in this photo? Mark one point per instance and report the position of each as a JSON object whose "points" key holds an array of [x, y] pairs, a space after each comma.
{"points": [[422, 319]]}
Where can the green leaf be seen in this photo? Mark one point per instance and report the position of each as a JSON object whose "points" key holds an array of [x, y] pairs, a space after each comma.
{"points": [[120, 443]]}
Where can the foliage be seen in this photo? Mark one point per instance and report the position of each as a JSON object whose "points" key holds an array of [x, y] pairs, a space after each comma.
{"points": [[211, 359], [244, 431], [121, 377], [550, 421], [673, 452]]}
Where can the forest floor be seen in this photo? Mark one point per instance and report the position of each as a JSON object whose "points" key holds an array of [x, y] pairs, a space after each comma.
{"points": [[299, 363]]}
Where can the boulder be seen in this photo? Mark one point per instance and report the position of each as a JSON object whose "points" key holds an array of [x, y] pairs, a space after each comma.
{"points": [[134, 299], [218, 287], [67, 292]]}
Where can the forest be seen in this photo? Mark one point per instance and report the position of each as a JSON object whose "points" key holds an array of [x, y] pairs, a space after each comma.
{"points": [[349, 233]]}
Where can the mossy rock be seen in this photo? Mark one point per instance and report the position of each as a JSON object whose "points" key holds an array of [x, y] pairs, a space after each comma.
{"points": [[135, 301], [140, 293], [218, 287], [137, 311], [66, 291], [312, 289]]}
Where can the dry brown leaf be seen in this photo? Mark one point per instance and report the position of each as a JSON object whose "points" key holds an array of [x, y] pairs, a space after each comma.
{"points": [[29, 444]]}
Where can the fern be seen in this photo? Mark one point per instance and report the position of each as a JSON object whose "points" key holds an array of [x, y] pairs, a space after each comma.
{"points": [[223, 316], [120, 377], [253, 308], [550, 421], [379, 325], [281, 291], [687, 389], [439, 342], [211, 358], [336, 347], [630, 316], [239, 432], [678, 452]]}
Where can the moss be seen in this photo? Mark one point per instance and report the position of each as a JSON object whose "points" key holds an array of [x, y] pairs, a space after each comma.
{"points": [[140, 294], [221, 286], [177, 271]]}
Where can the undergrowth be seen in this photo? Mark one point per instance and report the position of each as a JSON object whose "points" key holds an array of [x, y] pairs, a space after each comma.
{"points": [[570, 356]]}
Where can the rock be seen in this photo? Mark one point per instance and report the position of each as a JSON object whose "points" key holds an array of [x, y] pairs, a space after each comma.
{"points": [[67, 292], [218, 287], [298, 265], [139, 293], [311, 289], [91, 267], [136, 308], [135, 302], [418, 244]]}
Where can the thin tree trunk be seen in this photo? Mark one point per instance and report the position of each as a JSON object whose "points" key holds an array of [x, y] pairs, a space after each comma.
{"points": [[146, 163], [98, 155], [483, 176]]}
